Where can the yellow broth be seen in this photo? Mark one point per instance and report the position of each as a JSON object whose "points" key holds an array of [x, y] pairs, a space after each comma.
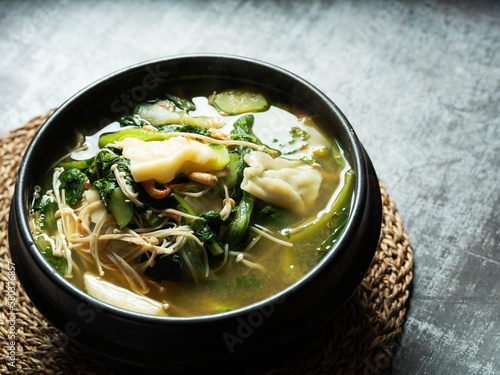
{"points": [[238, 284]]}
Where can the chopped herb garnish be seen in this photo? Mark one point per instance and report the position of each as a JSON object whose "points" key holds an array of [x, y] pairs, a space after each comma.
{"points": [[297, 132]]}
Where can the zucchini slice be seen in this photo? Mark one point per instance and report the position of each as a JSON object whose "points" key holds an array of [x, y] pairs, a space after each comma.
{"points": [[237, 101]]}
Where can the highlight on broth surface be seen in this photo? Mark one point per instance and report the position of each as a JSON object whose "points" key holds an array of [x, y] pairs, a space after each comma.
{"points": [[195, 206]]}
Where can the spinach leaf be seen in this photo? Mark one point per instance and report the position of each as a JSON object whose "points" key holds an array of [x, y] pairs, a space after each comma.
{"points": [[175, 268], [45, 209], [242, 131], [205, 234], [337, 223], [105, 188], [165, 268], [73, 182], [252, 281], [59, 263], [182, 104], [193, 254], [184, 129], [213, 220], [106, 159], [79, 164], [271, 212], [239, 221], [301, 231], [132, 120], [273, 216], [43, 203], [198, 225]]}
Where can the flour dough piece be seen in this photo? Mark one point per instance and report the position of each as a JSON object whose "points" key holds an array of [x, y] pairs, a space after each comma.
{"points": [[284, 183], [163, 160]]}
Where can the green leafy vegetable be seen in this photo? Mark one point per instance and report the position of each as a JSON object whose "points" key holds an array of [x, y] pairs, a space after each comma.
{"points": [[186, 263], [200, 226], [182, 104], [105, 188], [165, 268], [242, 130], [73, 182], [235, 176], [79, 164], [308, 160], [111, 194], [239, 220], [120, 207], [205, 234], [252, 281], [132, 120], [337, 223], [337, 155], [273, 213], [106, 159], [154, 220], [343, 200], [185, 129], [193, 260], [142, 134], [45, 208], [59, 263], [213, 220]]}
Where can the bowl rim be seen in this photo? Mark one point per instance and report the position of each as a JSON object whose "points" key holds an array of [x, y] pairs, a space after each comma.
{"points": [[20, 198]]}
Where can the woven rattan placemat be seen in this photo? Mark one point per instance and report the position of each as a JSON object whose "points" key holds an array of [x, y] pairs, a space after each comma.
{"points": [[361, 339]]}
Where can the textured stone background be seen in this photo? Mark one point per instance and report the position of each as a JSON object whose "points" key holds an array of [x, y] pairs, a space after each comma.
{"points": [[420, 82]]}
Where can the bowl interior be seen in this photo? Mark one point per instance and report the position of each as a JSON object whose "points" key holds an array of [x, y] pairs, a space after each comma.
{"points": [[117, 94]]}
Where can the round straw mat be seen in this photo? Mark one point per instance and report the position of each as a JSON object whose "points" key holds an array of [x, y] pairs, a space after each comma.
{"points": [[361, 339]]}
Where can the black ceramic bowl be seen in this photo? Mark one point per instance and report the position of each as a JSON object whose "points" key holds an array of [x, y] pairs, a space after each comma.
{"points": [[247, 339]]}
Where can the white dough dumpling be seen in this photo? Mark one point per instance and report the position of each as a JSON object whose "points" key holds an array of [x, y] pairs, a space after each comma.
{"points": [[284, 183], [163, 160]]}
